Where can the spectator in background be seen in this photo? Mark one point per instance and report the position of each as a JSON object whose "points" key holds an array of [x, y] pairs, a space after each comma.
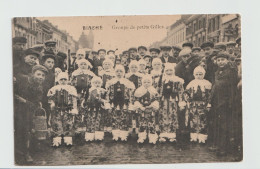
{"points": [[18, 49]]}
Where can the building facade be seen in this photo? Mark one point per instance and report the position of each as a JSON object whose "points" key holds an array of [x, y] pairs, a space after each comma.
{"points": [[25, 27], [38, 32]]}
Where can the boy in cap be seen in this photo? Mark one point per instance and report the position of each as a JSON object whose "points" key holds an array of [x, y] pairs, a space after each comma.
{"points": [[154, 52], [223, 116], [27, 100]]}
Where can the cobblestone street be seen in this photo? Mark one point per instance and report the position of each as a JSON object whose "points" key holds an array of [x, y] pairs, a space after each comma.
{"points": [[109, 152]]}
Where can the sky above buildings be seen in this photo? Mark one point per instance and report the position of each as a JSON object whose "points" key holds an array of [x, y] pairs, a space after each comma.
{"points": [[117, 32]]}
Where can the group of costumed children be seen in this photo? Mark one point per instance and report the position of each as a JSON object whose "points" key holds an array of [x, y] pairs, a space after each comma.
{"points": [[118, 102]]}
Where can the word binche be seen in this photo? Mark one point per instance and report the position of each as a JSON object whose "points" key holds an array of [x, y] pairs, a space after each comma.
{"points": [[93, 27]]}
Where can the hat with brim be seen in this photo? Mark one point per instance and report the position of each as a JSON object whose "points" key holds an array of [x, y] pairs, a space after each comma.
{"points": [[165, 48], [104, 50], [220, 45], [155, 50], [132, 49], [147, 56], [45, 57], [231, 43], [223, 55], [196, 48], [187, 44], [63, 55], [207, 44], [31, 51], [50, 43], [110, 51], [39, 67], [142, 47], [125, 52]]}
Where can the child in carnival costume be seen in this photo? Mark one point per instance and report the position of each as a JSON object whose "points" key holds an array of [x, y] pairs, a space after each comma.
{"points": [[157, 73], [63, 103], [107, 74], [95, 109], [146, 104], [135, 77], [171, 99], [120, 96], [57, 72], [81, 79], [142, 67], [198, 91]]}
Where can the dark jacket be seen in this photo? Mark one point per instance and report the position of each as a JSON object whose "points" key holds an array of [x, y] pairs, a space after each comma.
{"points": [[185, 70], [170, 59]]}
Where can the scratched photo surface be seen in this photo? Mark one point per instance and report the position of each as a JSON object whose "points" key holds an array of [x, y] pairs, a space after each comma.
{"points": [[151, 89]]}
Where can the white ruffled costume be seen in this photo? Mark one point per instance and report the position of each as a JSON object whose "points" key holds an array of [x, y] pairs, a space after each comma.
{"points": [[204, 85], [117, 133], [140, 92], [71, 91]]}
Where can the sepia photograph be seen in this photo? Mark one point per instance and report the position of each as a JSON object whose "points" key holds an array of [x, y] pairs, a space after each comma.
{"points": [[127, 89]]}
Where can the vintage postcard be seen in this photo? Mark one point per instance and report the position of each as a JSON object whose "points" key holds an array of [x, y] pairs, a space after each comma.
{"points": [[151, 89]]}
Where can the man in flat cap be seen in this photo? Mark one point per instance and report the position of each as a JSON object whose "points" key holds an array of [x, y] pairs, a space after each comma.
{"points": [[110, 52], [184, 69], [154, 52], [187, 44], [208, 47], [18, 49], [133, 54], [175, 52], [195, 51], [220, 46], [50, 47], [165, 50], [142, 51], [231, 45]]}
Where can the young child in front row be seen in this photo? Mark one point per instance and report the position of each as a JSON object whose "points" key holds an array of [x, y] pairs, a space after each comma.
{"points": [[63, 103], [171, 102], [120, 96], [198, 91], [95, 110], [146, 103]]}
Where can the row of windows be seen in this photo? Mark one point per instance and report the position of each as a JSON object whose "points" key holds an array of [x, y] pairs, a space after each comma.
{"points": [[213, 25], [178, 37]]}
